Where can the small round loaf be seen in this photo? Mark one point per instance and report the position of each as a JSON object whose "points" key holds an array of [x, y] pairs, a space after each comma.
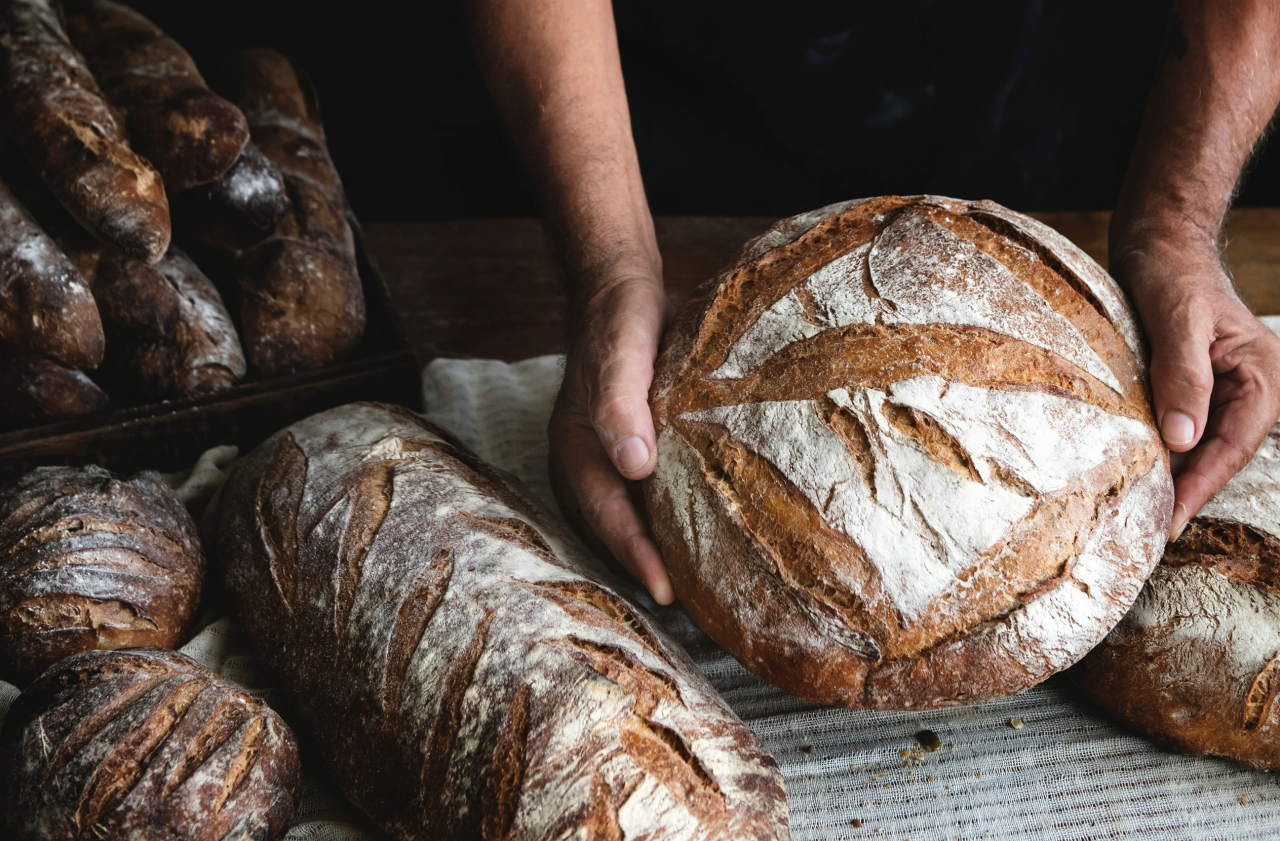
{"points": [[89, 560], [905, 454], [144, 743], [1195, 664]]}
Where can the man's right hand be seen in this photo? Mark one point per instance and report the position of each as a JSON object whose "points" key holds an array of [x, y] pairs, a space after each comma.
{"points": [[601, 430]]}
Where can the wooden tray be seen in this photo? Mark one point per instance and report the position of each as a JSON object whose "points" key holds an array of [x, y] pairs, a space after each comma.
{"points": [[172, 434]]}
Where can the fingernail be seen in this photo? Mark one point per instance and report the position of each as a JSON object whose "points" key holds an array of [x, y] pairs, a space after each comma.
{"points": [[632, 454], [1177, 429], [661, 591], [1179, 523]]}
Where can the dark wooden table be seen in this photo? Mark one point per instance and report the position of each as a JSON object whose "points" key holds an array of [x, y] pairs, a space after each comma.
{"points": [[490, 289]]}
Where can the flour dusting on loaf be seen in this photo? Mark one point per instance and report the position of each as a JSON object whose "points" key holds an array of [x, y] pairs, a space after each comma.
{"points": [[1196, 663], [494, 685], [905, 454]]}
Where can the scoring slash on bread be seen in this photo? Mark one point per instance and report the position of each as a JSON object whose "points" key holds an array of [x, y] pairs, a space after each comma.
{"points": [[301, 302], [144, 744], [90, 560], [905, 454], [1195, 664], [489, 682], [53, 109], [191, 135]]}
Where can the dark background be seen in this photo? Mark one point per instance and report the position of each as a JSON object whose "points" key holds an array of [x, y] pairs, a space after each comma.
{"points": [[741, 108]]}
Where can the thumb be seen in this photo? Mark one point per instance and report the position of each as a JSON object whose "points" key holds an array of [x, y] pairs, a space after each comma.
{"points": [[1181, 385], [618, 381]]}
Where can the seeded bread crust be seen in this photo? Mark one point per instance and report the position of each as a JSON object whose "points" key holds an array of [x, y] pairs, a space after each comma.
{"points": [[92, 561], [53, 109], [187, 131], [489, 682], [144, 743], [905, 454], [1195, 664]]}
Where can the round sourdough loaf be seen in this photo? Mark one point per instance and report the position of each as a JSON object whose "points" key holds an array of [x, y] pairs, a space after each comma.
{"points": [[905, 454], [1196, 663], [144, 744], [92, 560]]}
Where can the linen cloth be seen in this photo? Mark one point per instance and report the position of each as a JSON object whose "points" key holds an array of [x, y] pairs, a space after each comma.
{"points": [[1040, 765]]}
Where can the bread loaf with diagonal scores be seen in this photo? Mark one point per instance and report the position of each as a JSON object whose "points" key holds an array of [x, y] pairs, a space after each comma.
{"points": [[463, 668], [92, 560], [1195, 663], [144, 744], [905, 454]]}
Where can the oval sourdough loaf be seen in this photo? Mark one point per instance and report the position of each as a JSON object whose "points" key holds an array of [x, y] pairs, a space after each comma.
{"points": [[144, 744], [905, 455], [464, 669], [1195, 664], [89, 560]]}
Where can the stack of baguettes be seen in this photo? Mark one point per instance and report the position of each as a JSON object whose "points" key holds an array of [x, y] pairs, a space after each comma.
{"points": [[107, 123]]}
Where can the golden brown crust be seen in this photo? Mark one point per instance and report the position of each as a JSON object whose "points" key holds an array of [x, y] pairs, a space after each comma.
{"points": [[1195, 664], [145, 743], [827, 328], [302, 305], [191, 134], [56, 113], [88, 560], [492, 684]]}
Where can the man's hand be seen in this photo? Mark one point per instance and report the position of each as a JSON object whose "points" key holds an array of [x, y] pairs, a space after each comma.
{"points": [[1215, 369], [553, 69], [601, 430]]}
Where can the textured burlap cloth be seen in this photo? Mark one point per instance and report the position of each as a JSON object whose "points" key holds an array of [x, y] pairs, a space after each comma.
{"points": [[1042, 765]]}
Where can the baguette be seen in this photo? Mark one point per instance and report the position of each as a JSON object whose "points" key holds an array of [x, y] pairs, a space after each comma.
{"points": [[36, 388], [239, 209], [191, 135], [45, 305], [302, 306], [489, 682], [55, 112], [90, 560], [144, 744]]}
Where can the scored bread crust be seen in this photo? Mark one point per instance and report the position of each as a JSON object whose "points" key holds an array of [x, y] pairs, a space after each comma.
{"points": [[488, 681], [144, 743], [905, 454], [90, 560], [1195, 664]]}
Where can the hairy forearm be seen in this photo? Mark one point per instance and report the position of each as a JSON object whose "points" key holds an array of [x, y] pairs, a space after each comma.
{"points": [[1216, 91], [552, 67]]}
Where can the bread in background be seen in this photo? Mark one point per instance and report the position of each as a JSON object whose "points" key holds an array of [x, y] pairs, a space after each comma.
{"points": [[39, 389], [188, 132], [55, 112], [241, 208]]}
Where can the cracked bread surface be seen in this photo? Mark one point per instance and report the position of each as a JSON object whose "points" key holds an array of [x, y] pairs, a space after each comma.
{"points": [[91, 560], [462, 665], [905, 454], [1195, 664], [145, 743]]}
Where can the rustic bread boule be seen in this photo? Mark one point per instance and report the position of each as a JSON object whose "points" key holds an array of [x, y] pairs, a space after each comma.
{"points": [[905, 454], [90, 560], [144, 744], [1195, 664]]}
